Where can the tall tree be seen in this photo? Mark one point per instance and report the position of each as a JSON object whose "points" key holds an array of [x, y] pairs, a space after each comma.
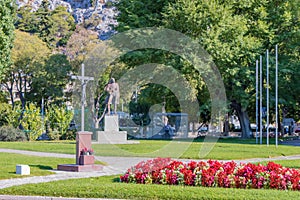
{"points": [[28, 55], [53, 26], [80, 43], [234, 33], [7, 18], [50, 80], [140, 13], [62, 27]]}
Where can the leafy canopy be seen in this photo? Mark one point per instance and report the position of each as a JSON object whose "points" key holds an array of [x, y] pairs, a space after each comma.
{"points": [[7, 18]]}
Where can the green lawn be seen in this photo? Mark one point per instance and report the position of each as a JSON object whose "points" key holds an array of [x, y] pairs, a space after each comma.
{"points": [[38, 166], [224, 149], [109, 187], [286, 163], [67, 147]]}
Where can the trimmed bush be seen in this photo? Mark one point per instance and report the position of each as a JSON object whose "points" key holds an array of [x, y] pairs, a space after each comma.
{"points": [[9, 133]]}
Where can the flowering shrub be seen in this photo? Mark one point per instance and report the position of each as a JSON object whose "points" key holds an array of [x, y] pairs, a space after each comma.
{"points": [[213, 174], [86, 151]]}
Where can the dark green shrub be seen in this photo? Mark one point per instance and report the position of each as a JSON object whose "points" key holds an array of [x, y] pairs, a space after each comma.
{"points": [[69, 135], [53, 134], [9, 133]]}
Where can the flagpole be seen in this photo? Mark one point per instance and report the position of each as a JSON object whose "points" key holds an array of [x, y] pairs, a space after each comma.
{"points": [[267, 97], [256, 104], [276, 95], [260, 100]]}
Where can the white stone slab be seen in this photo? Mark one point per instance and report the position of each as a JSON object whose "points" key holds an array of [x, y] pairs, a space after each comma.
{"points": [[113, 137], [111, 123], [23, 169]]}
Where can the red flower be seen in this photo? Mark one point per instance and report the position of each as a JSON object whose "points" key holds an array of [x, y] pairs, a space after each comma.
{"points": [[213, 173]]}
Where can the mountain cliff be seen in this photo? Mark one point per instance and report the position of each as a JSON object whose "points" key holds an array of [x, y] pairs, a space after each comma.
{"points": [[101, 12]]}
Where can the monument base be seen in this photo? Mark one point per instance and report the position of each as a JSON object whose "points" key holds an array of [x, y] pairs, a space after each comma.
{"points": [[84, 163], [113, 137], [79, 168]]}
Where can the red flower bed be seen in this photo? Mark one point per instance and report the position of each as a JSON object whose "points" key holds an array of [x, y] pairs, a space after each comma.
{"points": [[213, 174]]}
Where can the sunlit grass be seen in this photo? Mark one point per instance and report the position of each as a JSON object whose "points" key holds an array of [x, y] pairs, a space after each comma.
{"points": [[109, 187], [224, 149], [39, 166]]}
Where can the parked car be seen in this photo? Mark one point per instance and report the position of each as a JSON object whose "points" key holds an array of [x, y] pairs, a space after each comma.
{"points": [[297, 129], [202, 129]]}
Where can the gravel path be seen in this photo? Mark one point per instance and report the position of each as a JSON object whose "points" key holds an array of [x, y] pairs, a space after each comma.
{"points": [[115, 165]]}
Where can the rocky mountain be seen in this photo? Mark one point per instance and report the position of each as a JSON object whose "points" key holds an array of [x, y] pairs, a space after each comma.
{"points": [[100, 12]]}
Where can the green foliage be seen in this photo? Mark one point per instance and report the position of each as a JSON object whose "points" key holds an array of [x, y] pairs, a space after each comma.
{"points": [[32, 122], [9, 116], [37, 73], [53, 134], [9, 133], [234, 33], [53, 27], [62, 25], [26, 20], [28, 51], [59, 119], [3, 96], [50, 79], [7, 17], [69, 135], [140, 13], [28, 54]]}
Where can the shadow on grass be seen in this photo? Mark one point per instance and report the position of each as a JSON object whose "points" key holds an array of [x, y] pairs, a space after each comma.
{"points": [[43, 167], [116, 180], [236, 140]]}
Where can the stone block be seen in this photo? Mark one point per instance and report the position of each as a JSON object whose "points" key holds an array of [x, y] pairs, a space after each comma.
{"points": [[86, 160], [83, 140], [79, 168], [112, 137], [111, 123], [23, 169]]}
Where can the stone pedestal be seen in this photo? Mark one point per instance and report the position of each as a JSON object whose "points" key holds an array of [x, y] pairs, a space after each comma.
{"points": [[84, 163], [112, 137], [111, 123], [86, 160], [111, 133], [83, 141]]}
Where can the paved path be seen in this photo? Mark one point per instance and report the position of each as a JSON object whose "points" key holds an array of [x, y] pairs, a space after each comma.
{"points": [[115, 165]]}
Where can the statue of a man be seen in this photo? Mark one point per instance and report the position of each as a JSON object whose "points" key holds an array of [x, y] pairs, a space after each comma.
{"points": [[113, 95]]}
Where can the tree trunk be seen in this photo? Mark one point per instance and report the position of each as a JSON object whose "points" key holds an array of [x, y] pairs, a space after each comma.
{"points": [[96, 110], [11, 94], [243, 119]]}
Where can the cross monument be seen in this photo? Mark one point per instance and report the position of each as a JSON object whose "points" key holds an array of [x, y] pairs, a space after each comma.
{"points": [[84, 80], [84, 158]]}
